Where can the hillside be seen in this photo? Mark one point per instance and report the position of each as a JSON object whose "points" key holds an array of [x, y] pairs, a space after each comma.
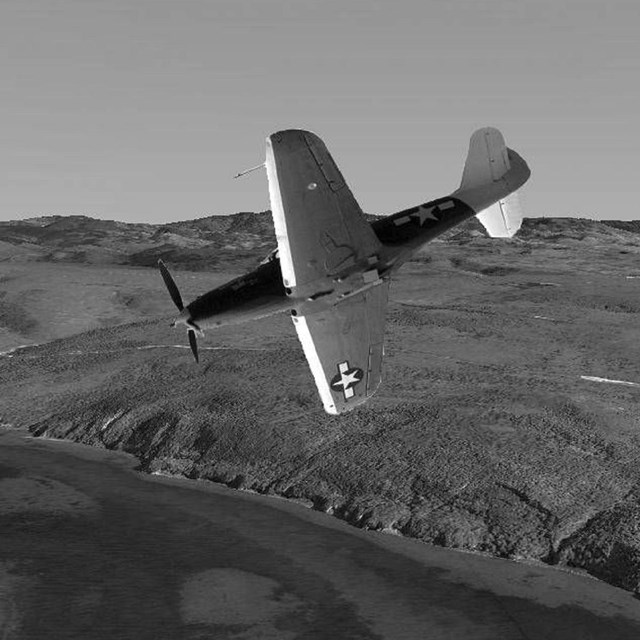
{"points": [[196, 244], [485, 434], [229, 242]]}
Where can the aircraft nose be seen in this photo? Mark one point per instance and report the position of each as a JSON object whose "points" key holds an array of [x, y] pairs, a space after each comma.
{"points": [[184, 318]]}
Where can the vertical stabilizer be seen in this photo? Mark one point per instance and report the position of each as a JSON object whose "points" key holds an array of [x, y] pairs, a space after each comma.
{"points": [[487, 160], [492, 174]]}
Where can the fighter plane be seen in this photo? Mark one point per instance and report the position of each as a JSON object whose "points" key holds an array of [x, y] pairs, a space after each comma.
{"points": [[331, 270]]}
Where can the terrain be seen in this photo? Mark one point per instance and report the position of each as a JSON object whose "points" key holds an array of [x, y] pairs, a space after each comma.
{"points": [[494, 430]]}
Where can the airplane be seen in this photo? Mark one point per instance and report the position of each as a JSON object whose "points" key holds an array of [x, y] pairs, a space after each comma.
{"points": [[332, 269]]}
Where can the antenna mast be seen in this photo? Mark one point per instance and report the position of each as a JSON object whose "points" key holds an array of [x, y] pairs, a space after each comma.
{"points": [[244, 173]]}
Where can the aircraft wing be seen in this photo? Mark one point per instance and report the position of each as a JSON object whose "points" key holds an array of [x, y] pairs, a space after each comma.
{"points": [[320, 228], [344, 347]]}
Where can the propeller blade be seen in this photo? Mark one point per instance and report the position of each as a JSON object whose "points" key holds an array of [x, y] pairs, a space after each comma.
{"points": [[171, 285], [193, 343]]}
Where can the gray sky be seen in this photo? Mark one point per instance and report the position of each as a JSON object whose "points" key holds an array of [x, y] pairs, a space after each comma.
{"points": [[143, 110]]}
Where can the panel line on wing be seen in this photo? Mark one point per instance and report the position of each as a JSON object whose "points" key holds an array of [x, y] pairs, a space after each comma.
{"points": [[329, 169]]}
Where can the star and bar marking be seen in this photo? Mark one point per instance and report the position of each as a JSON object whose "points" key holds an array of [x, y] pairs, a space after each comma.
{"points": [[346, 379], [423, 213]]}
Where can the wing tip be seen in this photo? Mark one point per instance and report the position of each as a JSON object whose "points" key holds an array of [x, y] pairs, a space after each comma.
{"points": [[287, 135], [339, 408]]}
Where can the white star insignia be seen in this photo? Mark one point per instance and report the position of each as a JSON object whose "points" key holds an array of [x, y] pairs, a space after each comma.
{"points": [[346, 379], [425, 214]]}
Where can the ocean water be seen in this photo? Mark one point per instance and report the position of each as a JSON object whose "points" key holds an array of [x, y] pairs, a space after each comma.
{"points": [[90, 549]]}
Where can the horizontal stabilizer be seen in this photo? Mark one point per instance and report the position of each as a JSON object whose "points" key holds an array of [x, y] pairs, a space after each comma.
{"points": [[502, 219]]}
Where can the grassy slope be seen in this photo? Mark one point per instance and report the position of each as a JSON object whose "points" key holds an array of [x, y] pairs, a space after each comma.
{"points": [[482, 436]]}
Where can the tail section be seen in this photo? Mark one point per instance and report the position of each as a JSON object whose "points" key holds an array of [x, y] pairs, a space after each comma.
{"points": [[492, 174]]}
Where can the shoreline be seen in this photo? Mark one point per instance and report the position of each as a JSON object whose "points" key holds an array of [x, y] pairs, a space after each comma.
{"points": [[93, 533], [299, 507]]}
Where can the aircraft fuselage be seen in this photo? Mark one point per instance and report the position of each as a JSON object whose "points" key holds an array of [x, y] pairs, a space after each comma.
{"points": [[253, 295], [261, 292]]}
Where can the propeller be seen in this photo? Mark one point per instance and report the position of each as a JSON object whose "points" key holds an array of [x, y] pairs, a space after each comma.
{"points": [[171, 285], [193, 343], [174, 292]]}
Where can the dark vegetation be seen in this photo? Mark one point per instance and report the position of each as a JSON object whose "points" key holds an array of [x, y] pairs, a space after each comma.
{"points": [[482, 436], [15, 317]]}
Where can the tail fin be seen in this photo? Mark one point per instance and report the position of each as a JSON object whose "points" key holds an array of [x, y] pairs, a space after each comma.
{"points": [[487, 159], [492, 174]]}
